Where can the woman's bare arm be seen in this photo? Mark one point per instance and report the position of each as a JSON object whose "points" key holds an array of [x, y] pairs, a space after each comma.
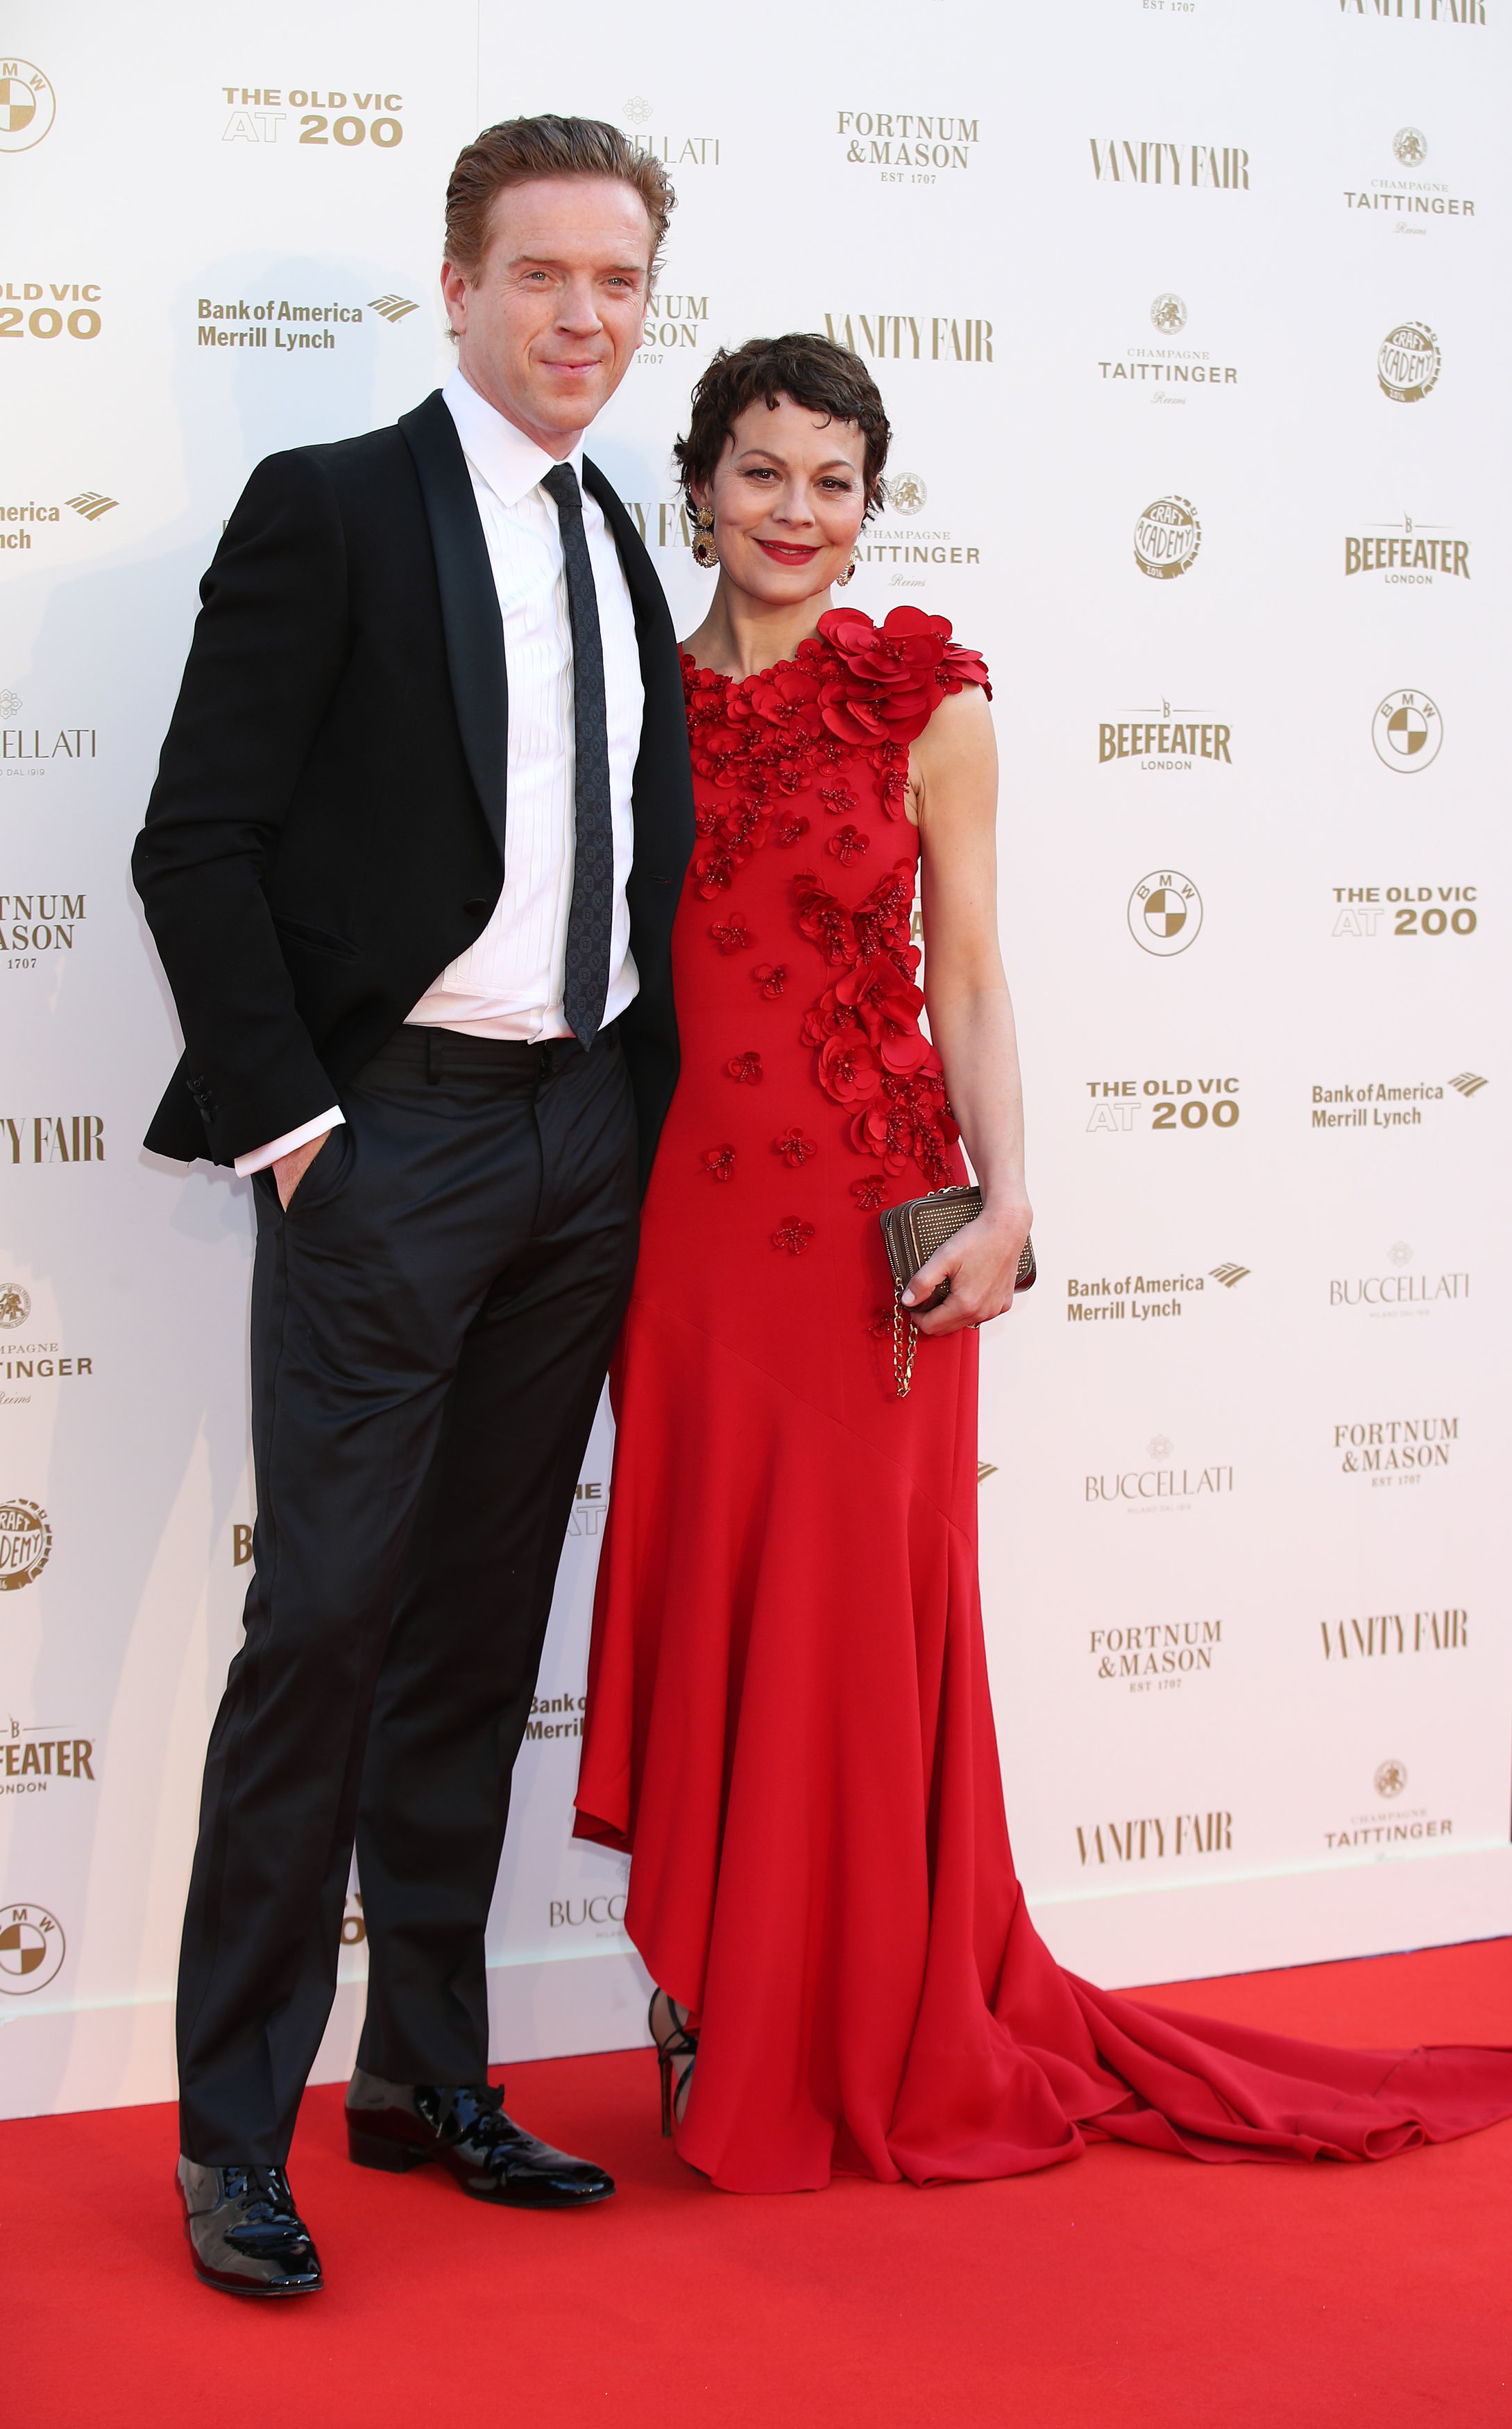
{"points": [[953, 782]]}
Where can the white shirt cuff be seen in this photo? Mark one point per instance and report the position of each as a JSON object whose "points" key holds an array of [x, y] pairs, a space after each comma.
{"points": [[259, 1158]]}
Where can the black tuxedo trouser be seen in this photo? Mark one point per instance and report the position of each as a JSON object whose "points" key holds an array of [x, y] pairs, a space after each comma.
{"points": [[431, 1322]]}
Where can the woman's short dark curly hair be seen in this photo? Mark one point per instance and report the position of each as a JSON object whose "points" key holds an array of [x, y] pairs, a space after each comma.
{"points": [[813, 371]]}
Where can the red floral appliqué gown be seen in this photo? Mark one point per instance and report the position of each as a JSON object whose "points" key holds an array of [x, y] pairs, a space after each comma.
{"points": [[788, 1714]]}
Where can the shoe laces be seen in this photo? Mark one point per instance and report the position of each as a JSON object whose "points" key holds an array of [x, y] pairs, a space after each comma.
{"points": [[482, 2119], [266, 2191]]}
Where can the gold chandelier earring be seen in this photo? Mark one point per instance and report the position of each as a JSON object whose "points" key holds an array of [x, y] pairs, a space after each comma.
{"points": [[704, 551], [848, 575]]}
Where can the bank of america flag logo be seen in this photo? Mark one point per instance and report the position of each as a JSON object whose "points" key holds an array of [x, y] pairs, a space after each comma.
{"points": [[1228, 1275], [91, 504], [392, 308], [1468, 1082]]}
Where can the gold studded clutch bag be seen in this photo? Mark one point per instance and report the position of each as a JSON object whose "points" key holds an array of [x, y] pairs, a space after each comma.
{"points": [[911, 1232]]}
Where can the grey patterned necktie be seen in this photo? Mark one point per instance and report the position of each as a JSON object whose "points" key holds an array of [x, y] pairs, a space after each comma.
{"points": [[586, 982]]}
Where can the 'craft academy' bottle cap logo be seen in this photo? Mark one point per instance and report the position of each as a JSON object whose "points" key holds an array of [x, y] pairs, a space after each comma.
{"points": [[31, 1949], [1408, 363], [1406, 731], [27, 105], [25, 1539], [1164, 911], [1167, 537]]}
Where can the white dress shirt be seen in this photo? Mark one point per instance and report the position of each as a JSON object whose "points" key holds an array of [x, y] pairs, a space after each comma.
{"points": [[510, 982]]}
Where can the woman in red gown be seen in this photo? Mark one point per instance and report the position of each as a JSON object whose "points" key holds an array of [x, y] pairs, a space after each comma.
{"points": [[788, 1716]]}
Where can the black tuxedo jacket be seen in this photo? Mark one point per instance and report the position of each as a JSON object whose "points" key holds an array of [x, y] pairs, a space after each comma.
{"points": [[329, 823]]}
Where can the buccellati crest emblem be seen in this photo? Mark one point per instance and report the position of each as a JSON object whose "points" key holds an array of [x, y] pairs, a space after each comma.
{"points": [[1160, 1447], [1390, 1777], [1411, 147], [15, 1306], [638, 110], [10, 703], [1169, 314], [907, 494]]}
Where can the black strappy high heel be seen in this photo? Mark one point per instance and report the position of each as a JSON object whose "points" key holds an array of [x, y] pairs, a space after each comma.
{"points": [[676, 2042]]}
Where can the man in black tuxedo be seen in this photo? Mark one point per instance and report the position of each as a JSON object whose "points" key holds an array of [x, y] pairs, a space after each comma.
{"points": [[411, 863]]}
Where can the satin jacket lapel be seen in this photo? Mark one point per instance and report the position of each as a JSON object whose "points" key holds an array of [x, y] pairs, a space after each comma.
{"points": [[470, 602], [645, 593], [664, 785]]}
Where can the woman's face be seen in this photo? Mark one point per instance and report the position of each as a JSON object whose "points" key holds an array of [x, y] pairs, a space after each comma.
{"points": [[788, 496]]}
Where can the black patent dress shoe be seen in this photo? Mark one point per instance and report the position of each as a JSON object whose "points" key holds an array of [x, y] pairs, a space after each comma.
{"points": [[244, 2233], [401, 2125]]}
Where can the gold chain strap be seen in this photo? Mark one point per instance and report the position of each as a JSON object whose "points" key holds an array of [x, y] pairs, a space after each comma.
{"points": [[902, 1358]]}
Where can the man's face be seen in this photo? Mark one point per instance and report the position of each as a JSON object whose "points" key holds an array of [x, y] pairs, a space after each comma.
{"points": [[547, 334]]}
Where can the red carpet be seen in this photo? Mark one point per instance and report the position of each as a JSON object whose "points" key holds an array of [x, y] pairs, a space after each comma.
{"points": [[1127, 2291]]}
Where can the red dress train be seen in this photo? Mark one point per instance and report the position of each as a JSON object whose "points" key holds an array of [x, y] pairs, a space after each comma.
{"points": [[788, 1719]]}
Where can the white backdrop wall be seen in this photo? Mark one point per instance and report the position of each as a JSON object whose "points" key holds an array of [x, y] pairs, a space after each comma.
{"points": [[1245, 1589]]}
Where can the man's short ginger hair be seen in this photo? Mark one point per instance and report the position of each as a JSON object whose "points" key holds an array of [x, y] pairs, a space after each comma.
{"points": [[521, 148]]}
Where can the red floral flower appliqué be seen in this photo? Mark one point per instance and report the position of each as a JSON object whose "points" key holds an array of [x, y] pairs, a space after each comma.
{"points": [[881, 924], [848, 1069], [897, 673], [834, 723], [719, 1163], [909, 1117], [713, 873], [880, 1323], [792, 1235], [795, 1148], [888, 1006], [826, 922]]}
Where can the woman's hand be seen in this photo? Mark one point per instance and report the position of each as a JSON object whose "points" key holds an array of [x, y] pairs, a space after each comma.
{"points": [[981, 1262]]}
